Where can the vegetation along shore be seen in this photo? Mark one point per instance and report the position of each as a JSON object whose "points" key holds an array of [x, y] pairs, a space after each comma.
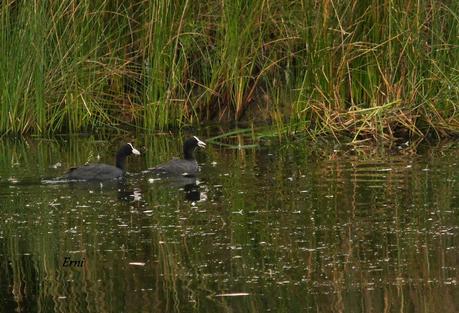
{"points": [[366, 69]]}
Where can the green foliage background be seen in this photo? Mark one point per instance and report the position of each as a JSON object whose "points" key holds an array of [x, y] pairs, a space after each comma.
{"points": [[383, 69]]}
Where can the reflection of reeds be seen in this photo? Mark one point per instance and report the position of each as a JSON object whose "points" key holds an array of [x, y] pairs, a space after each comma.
{"points": [[336, 230], [378, 70]]}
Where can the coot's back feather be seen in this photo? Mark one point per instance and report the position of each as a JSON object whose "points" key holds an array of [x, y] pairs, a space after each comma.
{"points": [[178, 167], [94, 172]]}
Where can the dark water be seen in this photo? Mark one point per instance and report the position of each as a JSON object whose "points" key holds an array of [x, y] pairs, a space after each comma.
{"points": [[278, 228]]}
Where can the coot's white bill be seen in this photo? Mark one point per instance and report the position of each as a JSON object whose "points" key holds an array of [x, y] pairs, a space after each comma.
{"points": [[134, 150], [201, 144]]}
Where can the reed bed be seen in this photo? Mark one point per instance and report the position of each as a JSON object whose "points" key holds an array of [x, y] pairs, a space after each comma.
{"points": [[382, 70]]}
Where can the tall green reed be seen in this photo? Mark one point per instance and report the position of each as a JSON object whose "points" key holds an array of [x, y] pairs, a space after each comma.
{"points": [[377, 54], [62, 64], [308, 66]]}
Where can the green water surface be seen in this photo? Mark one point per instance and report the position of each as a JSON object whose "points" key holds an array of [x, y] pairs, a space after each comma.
{"points": [[282, 227]]}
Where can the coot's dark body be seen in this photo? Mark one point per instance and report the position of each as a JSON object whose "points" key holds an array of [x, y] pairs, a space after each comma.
{"points": [[178, 167], [94, 172], [101, 171], [186, 166]]}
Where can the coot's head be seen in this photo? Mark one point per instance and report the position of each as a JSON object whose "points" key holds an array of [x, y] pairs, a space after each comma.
{"points": [[190, 145], [125, 151]]}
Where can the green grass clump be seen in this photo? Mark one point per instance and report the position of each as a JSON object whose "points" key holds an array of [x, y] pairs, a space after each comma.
{"points": [[381, 70]]}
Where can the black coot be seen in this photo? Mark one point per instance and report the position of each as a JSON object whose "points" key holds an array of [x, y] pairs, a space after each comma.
{"points": [[103, 171], [186, 166]]}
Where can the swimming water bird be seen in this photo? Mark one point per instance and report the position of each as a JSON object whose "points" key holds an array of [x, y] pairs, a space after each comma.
{"points": [[102, 171], [186, 166]]}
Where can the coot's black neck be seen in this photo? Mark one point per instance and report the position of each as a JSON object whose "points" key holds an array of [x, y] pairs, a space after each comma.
{"points": [[120, 160], [188, 152]]}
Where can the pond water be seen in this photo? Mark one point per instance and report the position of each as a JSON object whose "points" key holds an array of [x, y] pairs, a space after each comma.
{"points": [[281, 227]]}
